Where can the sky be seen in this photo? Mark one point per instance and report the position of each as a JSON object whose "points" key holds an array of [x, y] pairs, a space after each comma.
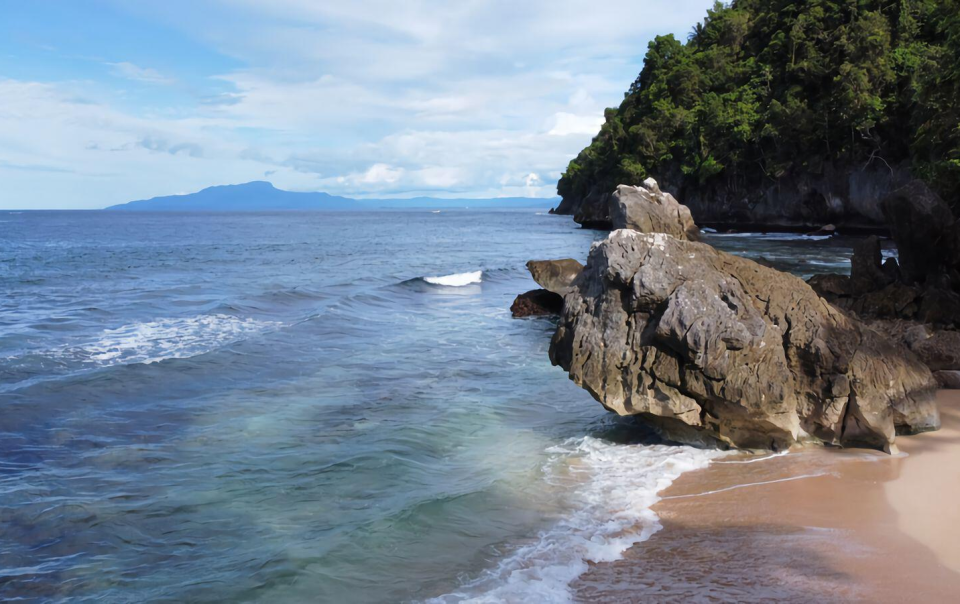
{"points": [[107, 101]]}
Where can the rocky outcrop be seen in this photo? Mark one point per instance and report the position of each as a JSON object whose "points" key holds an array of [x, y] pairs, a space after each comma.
{"points": [[554, 275], [842, 195], [537, 303], [713, 348], [649, 210]]}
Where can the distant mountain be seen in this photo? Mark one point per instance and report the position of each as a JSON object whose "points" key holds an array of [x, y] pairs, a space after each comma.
{"points": [[260, 196]]}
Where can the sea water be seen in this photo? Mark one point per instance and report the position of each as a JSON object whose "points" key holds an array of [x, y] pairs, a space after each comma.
{"points": [[292, 407]]}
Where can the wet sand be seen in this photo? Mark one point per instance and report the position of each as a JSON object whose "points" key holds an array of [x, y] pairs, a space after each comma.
{"points": [[822, 525]]}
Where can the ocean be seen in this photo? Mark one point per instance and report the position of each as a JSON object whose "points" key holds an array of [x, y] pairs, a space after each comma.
{"points": [[289, 407]]}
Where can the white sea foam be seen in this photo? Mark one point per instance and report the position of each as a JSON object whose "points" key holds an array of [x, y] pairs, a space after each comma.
{"points": [[154, 341], [611, 489], [775, 236], [456, 280]]}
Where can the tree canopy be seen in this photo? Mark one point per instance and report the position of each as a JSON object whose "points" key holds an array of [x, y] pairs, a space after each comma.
{"points": [[765, 88]]}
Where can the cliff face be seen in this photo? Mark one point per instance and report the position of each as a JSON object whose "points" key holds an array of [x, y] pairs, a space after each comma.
{"points": [[846, 197]]}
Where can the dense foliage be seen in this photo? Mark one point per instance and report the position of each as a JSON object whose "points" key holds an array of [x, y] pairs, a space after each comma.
{"points": [[766, 88]]}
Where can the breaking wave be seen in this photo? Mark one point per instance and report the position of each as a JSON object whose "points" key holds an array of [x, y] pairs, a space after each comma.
{"points": [[457, 279]]}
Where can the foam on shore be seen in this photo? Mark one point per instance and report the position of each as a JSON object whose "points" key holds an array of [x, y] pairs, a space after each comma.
{"points": [[818, 524], [610, 490]]}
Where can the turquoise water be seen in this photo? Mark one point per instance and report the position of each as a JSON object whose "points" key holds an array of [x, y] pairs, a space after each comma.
{"points": [[292, 407]]}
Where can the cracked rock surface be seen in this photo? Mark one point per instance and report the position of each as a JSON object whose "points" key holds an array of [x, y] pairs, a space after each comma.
{"points": [[715, 349]]}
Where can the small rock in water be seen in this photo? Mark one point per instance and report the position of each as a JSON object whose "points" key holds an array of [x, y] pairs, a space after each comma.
{"points": [[537, 303]]}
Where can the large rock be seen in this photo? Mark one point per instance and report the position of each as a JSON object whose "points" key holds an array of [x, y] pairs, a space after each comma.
{"points": [[649, 210], [555, 275], [713, 348]]}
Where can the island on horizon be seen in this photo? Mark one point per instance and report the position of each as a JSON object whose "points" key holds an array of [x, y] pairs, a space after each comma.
{"points": [[262, 196]]}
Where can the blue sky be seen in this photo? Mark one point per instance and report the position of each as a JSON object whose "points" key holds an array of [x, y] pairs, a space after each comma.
{"points": [[105, 101]]}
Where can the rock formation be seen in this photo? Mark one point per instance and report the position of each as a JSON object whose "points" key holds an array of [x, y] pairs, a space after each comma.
{"points": [[555, 277], [649, 210], [713, 348]]}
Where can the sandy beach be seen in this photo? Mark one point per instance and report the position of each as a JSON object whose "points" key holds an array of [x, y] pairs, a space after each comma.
{"points": [[816, 524]]}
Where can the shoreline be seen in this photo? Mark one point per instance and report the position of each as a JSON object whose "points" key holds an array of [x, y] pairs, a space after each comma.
{"points": [[817, 524]]}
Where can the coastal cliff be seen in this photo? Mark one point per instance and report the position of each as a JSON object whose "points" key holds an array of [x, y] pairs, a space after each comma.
{"points": [[782, 115], [843, 196]]}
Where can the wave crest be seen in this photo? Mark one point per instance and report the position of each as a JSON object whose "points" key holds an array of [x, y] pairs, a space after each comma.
{"points": [[456, 279]]}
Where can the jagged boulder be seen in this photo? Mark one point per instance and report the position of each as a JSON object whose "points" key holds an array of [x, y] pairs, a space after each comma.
{"points": [[716, 349], [647, 209]]}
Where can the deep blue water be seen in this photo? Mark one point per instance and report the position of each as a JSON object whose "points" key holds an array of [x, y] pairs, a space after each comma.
{"points": [[246, 407]]}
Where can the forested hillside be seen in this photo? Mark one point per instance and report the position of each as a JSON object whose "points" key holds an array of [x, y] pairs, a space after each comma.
{"points": [[807, 109]]}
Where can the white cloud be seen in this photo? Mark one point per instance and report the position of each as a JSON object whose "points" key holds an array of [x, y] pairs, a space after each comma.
{"points": [[381, 174], [140, 74], [366, 98], [568, 123]]}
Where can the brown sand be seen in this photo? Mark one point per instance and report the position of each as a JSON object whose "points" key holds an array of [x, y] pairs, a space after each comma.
{"points": [[817, 525]]}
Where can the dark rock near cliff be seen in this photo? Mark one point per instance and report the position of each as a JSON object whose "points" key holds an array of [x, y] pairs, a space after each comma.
{"points": [[713, 348], [926, 233], [537, 303], [939, 349], [590, 211], [924, 285], [649, 210]]}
